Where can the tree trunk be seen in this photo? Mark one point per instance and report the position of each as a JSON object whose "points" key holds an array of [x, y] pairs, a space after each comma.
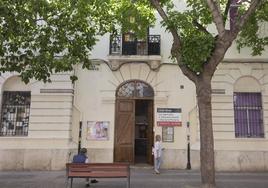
{"points": [[203, 91]]}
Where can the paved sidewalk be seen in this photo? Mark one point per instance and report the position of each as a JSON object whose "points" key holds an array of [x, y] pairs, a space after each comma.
{"points": [[140, 178]]}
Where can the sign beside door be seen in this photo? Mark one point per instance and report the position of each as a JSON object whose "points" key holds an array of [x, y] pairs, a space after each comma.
{"points": [[168, 117]]}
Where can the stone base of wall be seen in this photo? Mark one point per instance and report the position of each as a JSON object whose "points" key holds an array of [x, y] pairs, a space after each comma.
{"points": [[224, 160], [55, 159], [97, 155], [47, 159], [35, 159], [235, 160], [174, 159], [241, 160]]}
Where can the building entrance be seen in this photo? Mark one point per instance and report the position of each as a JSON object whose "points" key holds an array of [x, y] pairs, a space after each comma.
{"points": [[134, 123], [143, 131]]}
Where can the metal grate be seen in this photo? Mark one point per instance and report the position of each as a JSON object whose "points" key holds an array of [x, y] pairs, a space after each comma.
{"points": [[135, 89], [248, 115], [115, 45], [15, 113]]}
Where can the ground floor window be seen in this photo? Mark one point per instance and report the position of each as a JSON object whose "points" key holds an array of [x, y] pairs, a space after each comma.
{"points": [[15, 113], [248, 115]]}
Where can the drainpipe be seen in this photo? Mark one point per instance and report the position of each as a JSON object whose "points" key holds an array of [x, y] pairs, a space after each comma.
{"points": [[80, 136], [81, 114]]}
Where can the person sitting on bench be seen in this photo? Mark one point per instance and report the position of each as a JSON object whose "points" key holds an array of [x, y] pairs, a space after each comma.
{"points": [[81, 157]]}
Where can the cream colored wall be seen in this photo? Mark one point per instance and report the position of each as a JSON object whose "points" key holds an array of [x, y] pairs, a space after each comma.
{"points": [[231, 77], [49, 133], [168, 94], [243, 77], [54, 118], [231, 153], [169, 81], [96, 99], [234, 154]]}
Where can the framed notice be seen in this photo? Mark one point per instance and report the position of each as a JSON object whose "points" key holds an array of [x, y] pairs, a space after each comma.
{"points": [[168, 116], [97, 130], [168, 134]]}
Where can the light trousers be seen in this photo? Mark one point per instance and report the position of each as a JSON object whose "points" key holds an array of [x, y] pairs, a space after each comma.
{"points": [[157, 163]]}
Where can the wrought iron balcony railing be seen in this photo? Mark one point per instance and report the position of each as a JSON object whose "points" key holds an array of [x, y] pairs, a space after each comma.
{"points": [[127, 44]]}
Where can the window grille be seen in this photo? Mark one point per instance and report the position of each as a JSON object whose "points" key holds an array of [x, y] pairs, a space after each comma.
{"points": [[15, 113], [135, 89], [248, 115]]}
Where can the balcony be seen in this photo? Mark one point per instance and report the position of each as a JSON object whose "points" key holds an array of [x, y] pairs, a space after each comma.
{"points": [[130, 45], [128, 48]]}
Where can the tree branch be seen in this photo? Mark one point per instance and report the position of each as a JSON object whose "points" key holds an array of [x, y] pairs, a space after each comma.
{"points": [[241, 22], [200, 27], [176, 46], [164, 16], [185, 70], [223, 43], [226, 11], [217, 17]]}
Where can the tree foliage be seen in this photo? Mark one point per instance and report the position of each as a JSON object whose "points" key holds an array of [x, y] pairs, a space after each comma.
{"points": [[255, 33], [42, 37], [195, 27]]}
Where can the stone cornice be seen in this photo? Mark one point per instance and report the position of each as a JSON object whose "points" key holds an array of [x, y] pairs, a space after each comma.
{"points": [[116, 61]]}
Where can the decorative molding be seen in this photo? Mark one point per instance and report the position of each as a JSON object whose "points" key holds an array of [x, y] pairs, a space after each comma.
{"points": [[57, 91], [218, 91], [116, 61], [108, 100], [247, 60]]}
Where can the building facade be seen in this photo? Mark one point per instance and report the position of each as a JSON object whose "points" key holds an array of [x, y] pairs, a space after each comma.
{"points": [[132, 93]]}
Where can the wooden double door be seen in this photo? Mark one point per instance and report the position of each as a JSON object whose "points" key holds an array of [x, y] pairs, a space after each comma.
{"points": [[133, 131]]}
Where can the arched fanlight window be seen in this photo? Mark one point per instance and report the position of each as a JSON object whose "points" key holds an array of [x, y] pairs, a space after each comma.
{"points": [[135, 89]]}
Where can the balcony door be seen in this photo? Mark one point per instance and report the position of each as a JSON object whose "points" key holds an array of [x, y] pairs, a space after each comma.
{"points": [[131, 45]]}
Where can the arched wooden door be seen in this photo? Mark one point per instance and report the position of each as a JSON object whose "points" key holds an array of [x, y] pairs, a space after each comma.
{"points": [[127, 95]]}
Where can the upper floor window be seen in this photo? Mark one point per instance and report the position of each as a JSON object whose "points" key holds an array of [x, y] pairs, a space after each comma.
{"points": [[129, 44], [248, 115]]}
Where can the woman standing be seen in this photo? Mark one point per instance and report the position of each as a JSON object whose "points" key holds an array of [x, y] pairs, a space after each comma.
{"points": [[157, 151]]}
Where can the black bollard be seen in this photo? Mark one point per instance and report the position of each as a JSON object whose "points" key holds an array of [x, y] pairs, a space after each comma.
{"points": [[188, 166]]}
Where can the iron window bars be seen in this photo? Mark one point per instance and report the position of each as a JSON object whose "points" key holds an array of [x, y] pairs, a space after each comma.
{"points": [[248, 115], [15, 113]]}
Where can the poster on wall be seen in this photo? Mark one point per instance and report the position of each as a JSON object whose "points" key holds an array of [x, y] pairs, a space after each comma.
{"points": [[168, 116], [97, 130], [168, 134]]}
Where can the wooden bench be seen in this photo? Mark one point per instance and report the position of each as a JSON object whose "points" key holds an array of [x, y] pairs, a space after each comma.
{"points": [[97, 170]]}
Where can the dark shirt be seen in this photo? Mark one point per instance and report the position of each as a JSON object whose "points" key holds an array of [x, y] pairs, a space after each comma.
{"points": [[80, 158]]}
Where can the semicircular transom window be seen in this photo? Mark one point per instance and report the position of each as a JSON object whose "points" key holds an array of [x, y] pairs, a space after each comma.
{"points": [[135, 89]]}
